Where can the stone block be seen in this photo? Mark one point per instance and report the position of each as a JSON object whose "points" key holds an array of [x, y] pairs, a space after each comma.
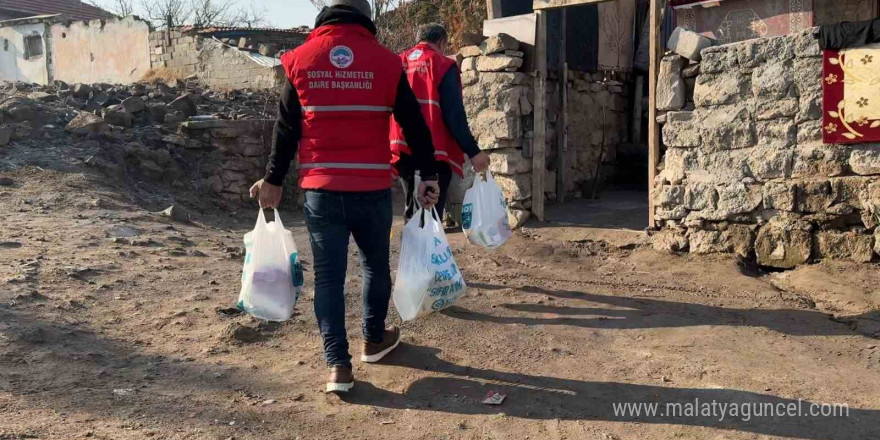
{"points": [[718, 59], [844, 246], [808, 76], [776, 109], [773, 80], [669, 196], [681, 134], [814, 196], [722, 88], [705, 242], [116, 115], [779, 195], [670, 86], [783, 244], [865, 160], [517, 187], [776, 134], [727, 128], [767, 163], [737, 198], [806, 45], [498, 63], [491, 126], [700, 196], [751, 53], [810, 108], [676, 162], [692, 70], [739, 239], [134, 104], [509, 161], [688, 44], [85, 123], [819, 160], [470, 77], [498, 44], [809, 133], [516, 218], [468, 64], [670, 240], [676, 213]]}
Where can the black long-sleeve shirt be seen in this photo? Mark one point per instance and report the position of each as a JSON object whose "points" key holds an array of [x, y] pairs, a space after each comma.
{"points": [[288, 132], [454, 115]]}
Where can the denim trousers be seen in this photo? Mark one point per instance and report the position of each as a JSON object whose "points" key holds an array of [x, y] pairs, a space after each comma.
{"points": [[332, 217]]}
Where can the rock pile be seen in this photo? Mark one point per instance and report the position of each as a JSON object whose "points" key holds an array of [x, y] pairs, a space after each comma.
{"points": [[745, 169], [176, 133]]}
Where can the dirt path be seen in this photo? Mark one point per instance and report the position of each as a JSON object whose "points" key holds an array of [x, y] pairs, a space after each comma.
{"points": [[109, 329]]}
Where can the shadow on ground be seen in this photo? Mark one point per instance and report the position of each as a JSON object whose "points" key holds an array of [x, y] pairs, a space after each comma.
{"points": [[459, 390], [638, 313]]}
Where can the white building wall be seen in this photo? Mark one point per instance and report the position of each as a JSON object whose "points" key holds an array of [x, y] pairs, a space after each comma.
{"points": [[13, 66], [109, 51]]}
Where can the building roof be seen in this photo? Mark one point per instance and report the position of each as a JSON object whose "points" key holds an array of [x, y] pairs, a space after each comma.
{"points": [[73, 9], [218, 29]]}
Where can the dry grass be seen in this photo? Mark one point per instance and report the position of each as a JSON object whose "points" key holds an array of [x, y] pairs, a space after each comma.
{"points": [[160, 75]]}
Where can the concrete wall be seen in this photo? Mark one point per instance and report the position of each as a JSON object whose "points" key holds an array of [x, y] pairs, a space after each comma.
{"points": [[747, 172], [13, 66], [110, 51]]}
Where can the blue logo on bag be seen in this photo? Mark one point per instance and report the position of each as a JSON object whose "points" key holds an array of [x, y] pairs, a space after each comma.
{"points": [[467, 215]]}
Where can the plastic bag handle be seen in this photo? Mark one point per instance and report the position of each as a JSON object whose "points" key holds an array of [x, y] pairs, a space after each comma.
{"points": [[278, 219]]}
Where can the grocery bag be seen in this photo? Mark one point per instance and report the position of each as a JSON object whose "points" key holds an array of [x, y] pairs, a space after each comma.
{"points": [[272, 277], [484, 213], [428, 280]]}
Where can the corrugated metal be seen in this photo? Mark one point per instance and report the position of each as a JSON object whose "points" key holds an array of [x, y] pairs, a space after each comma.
{"points": [[255, 56], [215, 29]]}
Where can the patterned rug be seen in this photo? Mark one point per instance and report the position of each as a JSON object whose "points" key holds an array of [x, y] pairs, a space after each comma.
{"points": [[851, 98]]}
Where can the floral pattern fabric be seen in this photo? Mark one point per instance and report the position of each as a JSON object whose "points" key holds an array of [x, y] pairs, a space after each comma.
{"points": [[851, 98]]}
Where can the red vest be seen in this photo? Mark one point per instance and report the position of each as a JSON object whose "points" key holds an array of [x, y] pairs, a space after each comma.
{"points": [[347, 85], [425, 69]]}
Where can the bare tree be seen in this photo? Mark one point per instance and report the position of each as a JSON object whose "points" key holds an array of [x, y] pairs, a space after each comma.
{"points": [[251, 17], [380, 7], [123, 8], [212, 13], [614, 23], [167, 13]]}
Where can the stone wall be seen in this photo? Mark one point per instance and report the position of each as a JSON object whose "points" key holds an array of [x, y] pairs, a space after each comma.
{"points": [[231, 155], [498, 99], [215, 63], [588, 94], [746, 171]]}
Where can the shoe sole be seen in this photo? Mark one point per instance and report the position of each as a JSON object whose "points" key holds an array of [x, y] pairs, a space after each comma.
{"points": [[373, 358], [339, 387]]}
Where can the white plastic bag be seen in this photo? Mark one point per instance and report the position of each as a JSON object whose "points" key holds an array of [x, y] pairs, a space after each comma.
{"points": [[484, 213], [272, 278], [428, 280]]}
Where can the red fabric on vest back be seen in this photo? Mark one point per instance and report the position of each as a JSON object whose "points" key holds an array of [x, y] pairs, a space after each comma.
{"points": [[425, 68], [347, 85]]}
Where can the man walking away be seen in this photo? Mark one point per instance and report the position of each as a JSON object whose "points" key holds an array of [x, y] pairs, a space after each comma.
{"points": [[436, 81], [336, 108]]}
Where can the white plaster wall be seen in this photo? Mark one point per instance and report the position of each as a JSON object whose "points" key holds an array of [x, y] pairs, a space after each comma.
{"points": [[111, 51], [13, 66]]}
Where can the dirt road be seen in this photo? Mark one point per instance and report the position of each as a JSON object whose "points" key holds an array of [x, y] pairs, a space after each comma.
{"points": [[111, 327]]}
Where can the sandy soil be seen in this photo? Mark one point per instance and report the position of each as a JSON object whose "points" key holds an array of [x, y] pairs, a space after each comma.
{"points": [[111, 337]]}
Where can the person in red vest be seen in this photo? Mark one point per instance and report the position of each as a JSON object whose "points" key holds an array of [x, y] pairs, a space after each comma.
{"points": [[334, 113], [436, 81]]}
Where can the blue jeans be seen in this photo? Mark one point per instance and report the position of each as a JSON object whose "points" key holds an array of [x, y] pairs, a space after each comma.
{"points": [[331, 217]]}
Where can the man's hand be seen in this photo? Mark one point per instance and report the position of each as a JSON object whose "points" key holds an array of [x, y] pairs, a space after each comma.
{"points": [[480, 162], [270, 195], [429, 193]]}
